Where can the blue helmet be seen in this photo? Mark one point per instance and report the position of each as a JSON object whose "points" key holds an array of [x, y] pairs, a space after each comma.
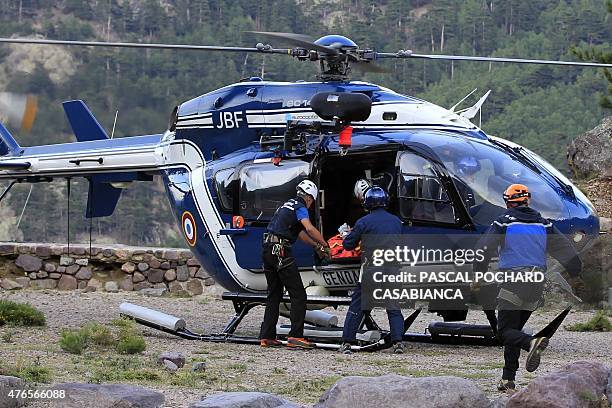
{"points": [[467, 166], [375, 197]]}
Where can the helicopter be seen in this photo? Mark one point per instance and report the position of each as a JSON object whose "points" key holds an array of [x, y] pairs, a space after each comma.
{"points": [[232, 156]]}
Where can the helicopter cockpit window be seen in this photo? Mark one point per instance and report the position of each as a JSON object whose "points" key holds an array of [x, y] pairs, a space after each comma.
{"points": [[422, 197], [481, 173], [265, 187], [224, 183]]}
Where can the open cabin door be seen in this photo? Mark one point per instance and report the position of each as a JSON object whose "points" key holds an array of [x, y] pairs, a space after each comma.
{"points": [[262, 188]]}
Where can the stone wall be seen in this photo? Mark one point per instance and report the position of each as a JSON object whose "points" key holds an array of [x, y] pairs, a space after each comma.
{"points": [[109, 268]]}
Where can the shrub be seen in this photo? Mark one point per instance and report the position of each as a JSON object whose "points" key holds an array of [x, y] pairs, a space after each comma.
{"points": [[20, 314], [30, 372], [74, 341], [599, 322], [130, 342], [98, 334]]}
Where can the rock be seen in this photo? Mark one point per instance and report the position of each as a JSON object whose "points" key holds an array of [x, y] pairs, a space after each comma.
{"points": [[580, 384], [55, 275], [43, 251], [246, 400], [141, 285], [7, 249], [126, 284], [143, 266], [66, 261], [177, 288], [50, 267], [155, 275], [109, 395], [94, 283], [154, 263], [77, 250], [605, 224], [28, 263], [170, 275], [111, 287], [128, 267], [165, 265], [72, 269], [193, 270], [154, 292], [209, 281], [194, 287], [84, 273], [500, 402], [138, 277], [32, 275], [82, 261], [201, 273], [590, 154], [41, 274], [193, 262], [61, 269], [170, 366], [198, 367], [45, 283], [10, 284], [89, 289], [67, 282], [176, 357], [24, 281], [82, 285], [182, 273], [171, 255], [394, 391], [8, 383]]}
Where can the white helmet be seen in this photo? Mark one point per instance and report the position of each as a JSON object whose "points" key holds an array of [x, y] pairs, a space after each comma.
{"points": [[361, 186], [308, 187]]}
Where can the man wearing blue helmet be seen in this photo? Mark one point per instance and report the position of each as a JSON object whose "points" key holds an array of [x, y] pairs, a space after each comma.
{"points": [[378, 221]]}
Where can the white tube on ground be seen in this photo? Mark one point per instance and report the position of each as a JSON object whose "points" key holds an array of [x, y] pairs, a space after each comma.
{"points": [[152, 316]]}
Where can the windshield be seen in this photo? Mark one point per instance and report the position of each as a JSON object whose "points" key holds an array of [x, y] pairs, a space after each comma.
{"points": [[482, 173]]}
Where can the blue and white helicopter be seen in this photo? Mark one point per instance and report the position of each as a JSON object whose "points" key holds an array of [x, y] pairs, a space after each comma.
{"points": [[230, 157]]}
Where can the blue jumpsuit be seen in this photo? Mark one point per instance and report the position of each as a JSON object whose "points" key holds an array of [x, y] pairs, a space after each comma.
{"points": [[378, 221]]}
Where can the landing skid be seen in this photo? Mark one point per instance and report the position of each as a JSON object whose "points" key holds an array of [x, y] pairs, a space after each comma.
{"points": [[370, 336]]}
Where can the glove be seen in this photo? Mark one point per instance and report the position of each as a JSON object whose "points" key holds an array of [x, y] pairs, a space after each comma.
{"points": [[344, 230], [323, 252]]}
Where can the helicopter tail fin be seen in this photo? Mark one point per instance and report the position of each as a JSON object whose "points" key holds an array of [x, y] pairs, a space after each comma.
{"points": [[8, 144], [84, 125]]}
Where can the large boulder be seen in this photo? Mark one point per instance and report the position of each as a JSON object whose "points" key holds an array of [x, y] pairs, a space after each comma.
{"points": [[28, 263], [8, 383], [590, 154], [580, 385], [244, 400], [108, 396], [395, 391]]}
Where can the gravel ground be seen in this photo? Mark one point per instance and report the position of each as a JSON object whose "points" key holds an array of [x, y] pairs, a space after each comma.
{"points": [[300, 376]]}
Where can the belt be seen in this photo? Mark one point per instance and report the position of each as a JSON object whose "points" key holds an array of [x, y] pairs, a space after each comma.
{"points": [[275, 239]]}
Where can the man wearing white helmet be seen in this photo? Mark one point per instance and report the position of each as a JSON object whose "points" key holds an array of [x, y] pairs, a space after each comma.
{"points": [[290, 222], [361, 186]]}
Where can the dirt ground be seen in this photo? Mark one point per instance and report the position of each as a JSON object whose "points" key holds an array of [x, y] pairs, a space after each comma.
{"points": [[300, 376]]}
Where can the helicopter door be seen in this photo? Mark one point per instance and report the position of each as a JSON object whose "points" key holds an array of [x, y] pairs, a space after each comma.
{"points": [[263, 187]]}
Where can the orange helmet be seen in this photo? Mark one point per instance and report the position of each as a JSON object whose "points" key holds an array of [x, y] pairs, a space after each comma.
{"points": [[517, 193]]}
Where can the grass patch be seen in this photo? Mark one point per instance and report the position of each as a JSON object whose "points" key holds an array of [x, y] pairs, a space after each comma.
{"points": [[279, 370], [30, 372], [598, 323], [7, 336], [310, 389], [193, 379], [241, 367], [126, 341], [20, 314]]}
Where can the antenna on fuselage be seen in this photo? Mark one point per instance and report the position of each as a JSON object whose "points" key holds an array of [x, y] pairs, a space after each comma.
{"points": [[114, 124]]}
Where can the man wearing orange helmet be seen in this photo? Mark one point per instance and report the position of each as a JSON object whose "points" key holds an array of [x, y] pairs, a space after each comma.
{"points": [[522, 238]]}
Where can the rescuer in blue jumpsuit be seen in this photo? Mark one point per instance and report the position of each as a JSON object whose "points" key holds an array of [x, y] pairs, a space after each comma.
{"points": [[524, 238], [378, 221], [290, 222]]}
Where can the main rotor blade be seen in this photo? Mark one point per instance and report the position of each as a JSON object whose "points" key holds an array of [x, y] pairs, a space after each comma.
{"points": [[299, 40], [264, 49], [409, 54]]}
